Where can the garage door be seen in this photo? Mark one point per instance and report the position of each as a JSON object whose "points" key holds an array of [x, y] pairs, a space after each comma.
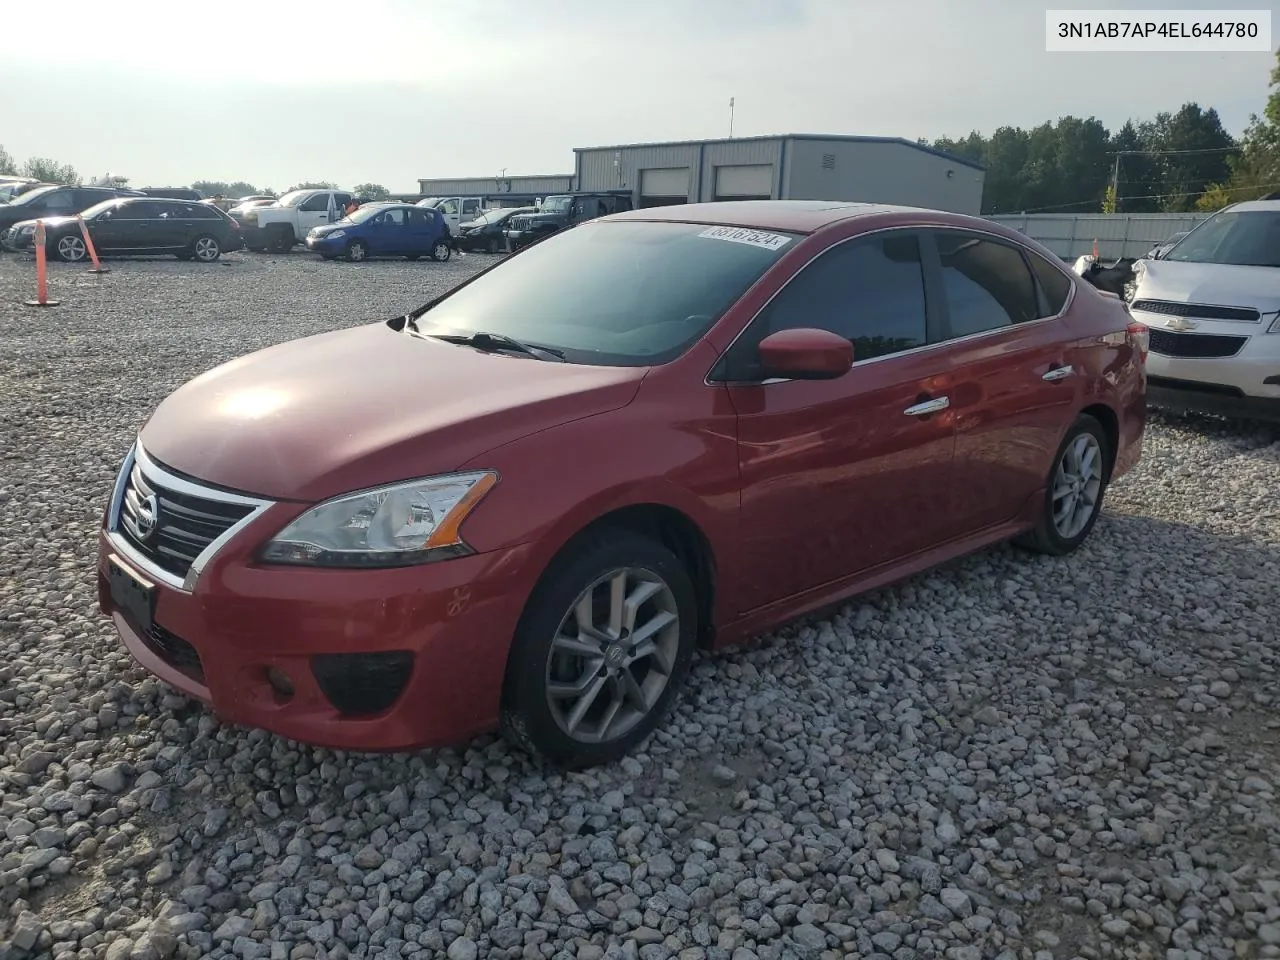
{"points": [[745, 182], [663, 186]]}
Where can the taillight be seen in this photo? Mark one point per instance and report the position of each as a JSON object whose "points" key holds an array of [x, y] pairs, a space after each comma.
{"points": [[1141, 337]]}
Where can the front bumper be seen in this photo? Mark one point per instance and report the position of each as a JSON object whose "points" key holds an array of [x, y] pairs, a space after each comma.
{"points": [[1200, 396], [1190, 362], [217, 638], [252, 234], [325, 246], [13, 241]]}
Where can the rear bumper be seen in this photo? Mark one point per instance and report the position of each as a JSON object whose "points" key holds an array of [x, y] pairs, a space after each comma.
{"points": [[1204, 397]]}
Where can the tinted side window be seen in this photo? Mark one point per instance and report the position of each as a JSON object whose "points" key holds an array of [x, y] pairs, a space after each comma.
{"points": [[203, 211], [986, 284], [470, 208], [319, 202], [342, 199], [1055, 284], [141, 210], [420, 217], [394, 218], [449, 208], [59, 201], [870, 291]]}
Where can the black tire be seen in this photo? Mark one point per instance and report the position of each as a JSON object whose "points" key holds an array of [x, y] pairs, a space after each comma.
{"points": [[1046, 537], [357, 251], [441, 250], [527, 719], [280, 238]]}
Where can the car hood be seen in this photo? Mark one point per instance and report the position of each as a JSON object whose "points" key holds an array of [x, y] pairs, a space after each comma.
{"points": [[1209, 283], [49, 222], [313, 418]]}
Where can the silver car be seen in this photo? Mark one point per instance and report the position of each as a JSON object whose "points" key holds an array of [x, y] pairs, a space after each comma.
{"points": [[1212, 303]]}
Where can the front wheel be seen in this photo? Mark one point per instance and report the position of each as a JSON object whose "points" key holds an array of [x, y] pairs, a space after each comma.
{"points": [[441, 251], [206, 249], [601, 650], [71, 249], [357, 251], [1073, 496]]}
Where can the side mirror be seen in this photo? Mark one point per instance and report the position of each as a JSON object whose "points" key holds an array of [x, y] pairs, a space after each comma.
{"points": [[806, 353]]}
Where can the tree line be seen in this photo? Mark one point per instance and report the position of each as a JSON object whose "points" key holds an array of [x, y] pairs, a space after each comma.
{"points": [[50, 171]]}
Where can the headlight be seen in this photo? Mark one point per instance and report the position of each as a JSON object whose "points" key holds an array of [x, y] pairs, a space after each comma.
{"points": [[392, 526], [1275, 325]]}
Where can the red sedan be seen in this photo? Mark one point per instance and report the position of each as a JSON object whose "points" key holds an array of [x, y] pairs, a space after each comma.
{"points": [[526, 503]]}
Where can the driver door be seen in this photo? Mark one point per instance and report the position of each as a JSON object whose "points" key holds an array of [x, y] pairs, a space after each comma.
{"points": [[314, 212], [842, 476]]}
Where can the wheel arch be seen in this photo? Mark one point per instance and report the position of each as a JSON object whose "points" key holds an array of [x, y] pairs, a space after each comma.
{"points": [[1110, 426], [668, 525]]}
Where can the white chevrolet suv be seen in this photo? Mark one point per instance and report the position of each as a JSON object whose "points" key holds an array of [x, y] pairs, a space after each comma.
{"points": [[1212, 304]]}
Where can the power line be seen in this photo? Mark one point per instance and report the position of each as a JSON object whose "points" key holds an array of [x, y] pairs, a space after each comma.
{"points": [[1094, 201], [1162, 153]]}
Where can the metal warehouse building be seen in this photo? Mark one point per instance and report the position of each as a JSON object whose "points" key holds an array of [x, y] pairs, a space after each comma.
{"points": [[514, 189], [785, 167], [790, 167]]}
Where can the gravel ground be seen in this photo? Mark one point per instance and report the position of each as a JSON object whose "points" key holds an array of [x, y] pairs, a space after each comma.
{"points": [[1009, 757]]}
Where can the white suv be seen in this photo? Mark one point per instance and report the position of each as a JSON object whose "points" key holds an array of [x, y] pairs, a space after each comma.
{"points": [[1212, 304]]}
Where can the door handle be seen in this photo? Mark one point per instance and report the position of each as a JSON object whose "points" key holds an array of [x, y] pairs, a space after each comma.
{"points": [[927, 407], [1059, 373]]}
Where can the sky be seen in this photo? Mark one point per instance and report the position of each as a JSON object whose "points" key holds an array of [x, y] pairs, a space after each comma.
{"points": [[275, 92]]}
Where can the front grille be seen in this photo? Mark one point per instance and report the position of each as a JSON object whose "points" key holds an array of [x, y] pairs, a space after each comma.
{"points": [[1197, 345], [184, 524], [1170, 308], [175, 651]]}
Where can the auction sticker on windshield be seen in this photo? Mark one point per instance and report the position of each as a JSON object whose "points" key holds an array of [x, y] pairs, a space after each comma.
{"points": [[756, 238]]}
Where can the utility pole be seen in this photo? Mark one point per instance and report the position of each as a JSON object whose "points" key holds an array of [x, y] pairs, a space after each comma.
{"points": [[1115, 184], [731, 118]]}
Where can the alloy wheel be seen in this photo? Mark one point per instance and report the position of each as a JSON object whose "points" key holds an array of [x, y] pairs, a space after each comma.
{"points": [[613, 655], [71, 249], [1077, 486], [207, 249], [356, 252]]}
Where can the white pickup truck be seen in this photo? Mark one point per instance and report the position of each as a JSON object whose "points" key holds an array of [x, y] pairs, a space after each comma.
{"points": [[278, 226], [456, 210]]}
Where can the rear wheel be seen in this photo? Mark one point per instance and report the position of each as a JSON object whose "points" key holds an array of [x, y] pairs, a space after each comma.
{"points": [[1073, 494], [441, 251], [280, 238], [601, 650], [206, 249], [70, 248], [357, 251]]}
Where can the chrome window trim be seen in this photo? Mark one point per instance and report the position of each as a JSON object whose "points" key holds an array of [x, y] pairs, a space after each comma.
{"points": [[1066, 306], [153, 472]]}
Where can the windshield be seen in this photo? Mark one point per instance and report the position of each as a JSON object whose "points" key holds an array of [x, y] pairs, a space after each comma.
{"points": [[556, 205], [614, 294], [33, 195], [294, 198], [1238, 238], [364, 213]]}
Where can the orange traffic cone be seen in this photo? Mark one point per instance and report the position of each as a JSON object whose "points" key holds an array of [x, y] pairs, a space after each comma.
{"points": [[42, 279], [1095, 248], [88, 242]]}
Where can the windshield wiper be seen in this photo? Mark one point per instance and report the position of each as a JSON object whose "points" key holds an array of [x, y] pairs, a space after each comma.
{"points": [[483, 340]]}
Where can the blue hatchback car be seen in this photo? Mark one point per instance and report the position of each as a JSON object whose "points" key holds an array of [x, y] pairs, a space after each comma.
{"points": [[384, 230]]}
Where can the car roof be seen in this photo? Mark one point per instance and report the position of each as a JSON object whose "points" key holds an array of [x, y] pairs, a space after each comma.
{"points": [[1255, 206], [793, 216]]}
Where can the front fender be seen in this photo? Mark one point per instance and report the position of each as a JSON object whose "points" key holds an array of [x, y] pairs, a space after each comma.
{"points": [[674, 446]]}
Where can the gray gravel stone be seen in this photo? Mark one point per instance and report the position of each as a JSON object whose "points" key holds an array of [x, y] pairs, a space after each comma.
{"points": [[970, 764]]}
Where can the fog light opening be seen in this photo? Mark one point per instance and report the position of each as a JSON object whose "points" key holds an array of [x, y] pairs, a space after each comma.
{"points": [[280, 683]]}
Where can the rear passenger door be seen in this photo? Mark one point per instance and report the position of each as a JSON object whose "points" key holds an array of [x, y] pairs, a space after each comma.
{"points": [[1013, 388], [391, 234], [184, 223], [422, 229]]}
